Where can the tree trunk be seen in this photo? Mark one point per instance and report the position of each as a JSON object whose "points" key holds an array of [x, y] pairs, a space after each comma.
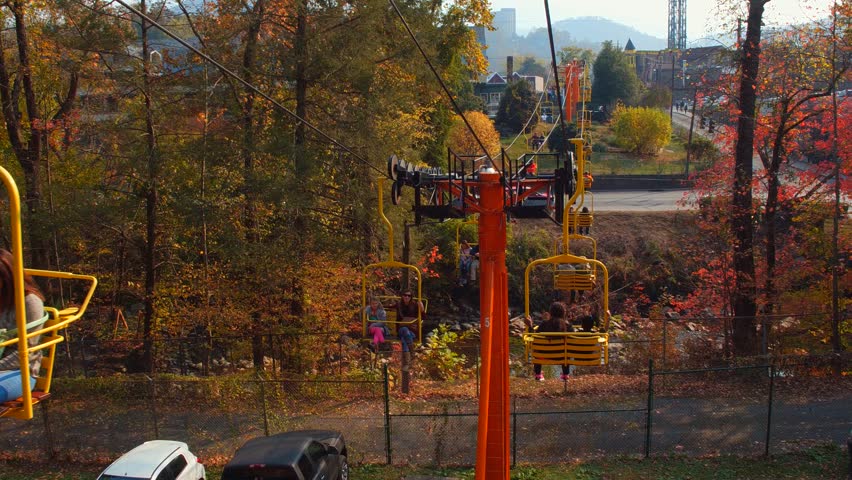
{"points": [[770, 222], [297, 308], [247, 148], [28, 152], [745, 307], [247, 155], [773, 185], [151, 198]]}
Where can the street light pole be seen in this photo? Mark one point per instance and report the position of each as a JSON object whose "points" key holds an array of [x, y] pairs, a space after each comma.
{"points": [[691, 127], [671, 107]]}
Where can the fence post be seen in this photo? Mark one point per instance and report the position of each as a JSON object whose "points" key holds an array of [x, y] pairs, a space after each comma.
{"points": [[154, 407], [387, 413], [477, 370], [769, 409], [665, 341], [83, 356], [263, 403], [514, 430], [648, 418], [406, 371], [70, 354], [182, 356], [48, 433]]}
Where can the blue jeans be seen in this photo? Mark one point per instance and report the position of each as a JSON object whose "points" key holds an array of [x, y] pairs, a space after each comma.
{"points": [[406, 336], [10, 385]]}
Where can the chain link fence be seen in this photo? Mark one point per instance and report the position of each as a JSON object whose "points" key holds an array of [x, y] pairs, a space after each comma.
{"points": [[673, 342], [103, 417], [750, 409]]}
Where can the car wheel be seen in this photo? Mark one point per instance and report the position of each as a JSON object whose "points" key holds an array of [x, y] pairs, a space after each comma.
{"points": [[344, 469]]}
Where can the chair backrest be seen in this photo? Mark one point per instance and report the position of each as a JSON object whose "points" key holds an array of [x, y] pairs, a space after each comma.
{"points": [[9, 337], [571, 348], [574, 280]]}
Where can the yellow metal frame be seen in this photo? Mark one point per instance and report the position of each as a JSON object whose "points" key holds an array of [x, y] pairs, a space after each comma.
{"points": [[559, 243], [58, 318], [391, 263], [603, 337]]}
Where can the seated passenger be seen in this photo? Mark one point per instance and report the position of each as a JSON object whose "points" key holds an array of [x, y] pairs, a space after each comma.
{"points": [[10, 367], [555, 321], [377, 317], [532, 169], [474, 262], [584, 212], [465, 261], [407, 311]]}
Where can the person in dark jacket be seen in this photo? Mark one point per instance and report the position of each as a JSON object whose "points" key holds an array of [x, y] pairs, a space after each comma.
{"points": [[407, 310], [556, 321]]}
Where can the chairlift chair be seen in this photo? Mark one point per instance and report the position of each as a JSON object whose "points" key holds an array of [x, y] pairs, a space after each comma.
{"points": [[45, 329], [569, 348]]}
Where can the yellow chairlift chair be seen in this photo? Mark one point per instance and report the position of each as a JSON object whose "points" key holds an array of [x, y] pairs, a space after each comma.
{"points": [[46, 329]]}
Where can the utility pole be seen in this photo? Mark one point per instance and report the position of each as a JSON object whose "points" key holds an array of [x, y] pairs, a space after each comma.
{"points": [[835, 271], [691, 127], [406, 254], [671, 107]]}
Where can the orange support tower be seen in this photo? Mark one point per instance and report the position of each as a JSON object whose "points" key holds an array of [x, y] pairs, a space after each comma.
{"points": [[573, 71], [492, 448], [467, 190]]}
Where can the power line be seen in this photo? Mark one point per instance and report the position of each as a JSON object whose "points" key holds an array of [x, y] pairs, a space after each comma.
{"points": [[536, 109], [556, 80], [248, 85], [443, 85]]}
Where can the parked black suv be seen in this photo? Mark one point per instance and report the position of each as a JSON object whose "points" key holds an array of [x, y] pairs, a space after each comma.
{"points": [[302, 455]]}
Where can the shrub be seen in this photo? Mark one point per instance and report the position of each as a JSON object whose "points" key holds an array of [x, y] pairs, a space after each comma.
{"points": [[657, 96], [523, 247], [641, 130], [439, 361], [703, 152]]}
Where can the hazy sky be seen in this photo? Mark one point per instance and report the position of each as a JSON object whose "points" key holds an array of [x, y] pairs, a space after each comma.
{"points": [[651, 16]]}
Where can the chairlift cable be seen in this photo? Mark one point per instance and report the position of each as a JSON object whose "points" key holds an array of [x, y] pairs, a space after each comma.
{"points": [[537, 106], [248, 85], [556, 78], [443, 85], [555, 124]]}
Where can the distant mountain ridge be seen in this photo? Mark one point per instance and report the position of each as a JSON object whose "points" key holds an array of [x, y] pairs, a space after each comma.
{"points": [[584, 32], [599, 29]]}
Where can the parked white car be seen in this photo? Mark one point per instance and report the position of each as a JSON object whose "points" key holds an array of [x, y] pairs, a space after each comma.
{"points": [[156, 460]]}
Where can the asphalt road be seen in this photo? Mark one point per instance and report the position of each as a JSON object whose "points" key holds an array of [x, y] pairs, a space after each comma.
{"points": [[639, 201]]}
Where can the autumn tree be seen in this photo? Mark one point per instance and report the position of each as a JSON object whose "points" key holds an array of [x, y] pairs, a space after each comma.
{"points": [[745, 291], [516, 107], [45, 40], [530, 66], [795, 80], [462, 142], [614, 77], [792, 83]]}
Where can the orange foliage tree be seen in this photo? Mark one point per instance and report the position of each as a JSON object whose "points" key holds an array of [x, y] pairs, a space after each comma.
{"points": [[462, 141]]}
